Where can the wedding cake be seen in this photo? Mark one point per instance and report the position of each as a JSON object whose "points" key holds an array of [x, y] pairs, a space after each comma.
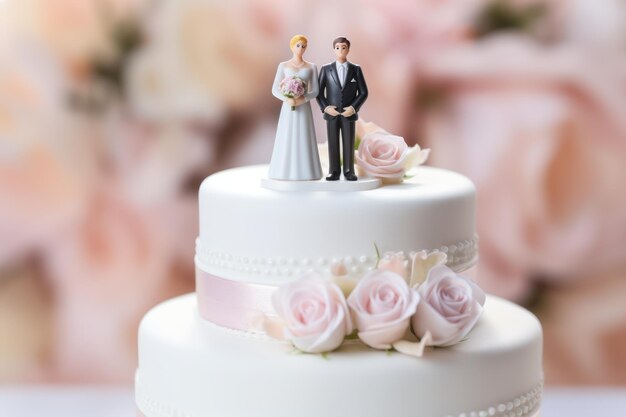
{"points": [[335, 303]]}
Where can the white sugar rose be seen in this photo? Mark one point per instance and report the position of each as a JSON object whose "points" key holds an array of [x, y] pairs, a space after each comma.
{"points": [[395, 262], [422, 262], [315, 314], [382, 305], [450, 307], [340, 275]]}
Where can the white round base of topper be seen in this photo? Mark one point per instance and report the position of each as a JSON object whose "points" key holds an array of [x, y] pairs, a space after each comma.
{"points": [[362, 184]]}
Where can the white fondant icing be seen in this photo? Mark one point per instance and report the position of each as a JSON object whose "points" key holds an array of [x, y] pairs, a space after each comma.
{"points": [[190, 367], [250, 233], [363, 184], [528, 405]]}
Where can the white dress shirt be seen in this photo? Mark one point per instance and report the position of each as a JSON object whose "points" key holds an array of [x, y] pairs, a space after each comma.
{"points": [[342, 70]]}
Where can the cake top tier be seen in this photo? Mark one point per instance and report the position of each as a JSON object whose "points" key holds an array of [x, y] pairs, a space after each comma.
{"points": [[253, 234]]}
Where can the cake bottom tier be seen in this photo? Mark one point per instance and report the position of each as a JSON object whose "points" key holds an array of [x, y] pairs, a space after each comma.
{"points": [[191, 368], [536, 414]]}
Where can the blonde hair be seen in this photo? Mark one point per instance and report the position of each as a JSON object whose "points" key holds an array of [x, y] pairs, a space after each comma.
{"points": [[297, 39]]}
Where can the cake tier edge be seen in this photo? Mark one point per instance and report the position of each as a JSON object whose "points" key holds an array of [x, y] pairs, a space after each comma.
{"points": [[190, 367]]}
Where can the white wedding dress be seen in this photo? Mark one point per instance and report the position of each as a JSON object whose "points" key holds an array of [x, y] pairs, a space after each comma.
{"points": [[295, 155]]}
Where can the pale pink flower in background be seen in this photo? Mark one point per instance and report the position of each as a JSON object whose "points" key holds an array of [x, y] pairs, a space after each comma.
{"points": [[160, 91], [106, 271], [249, 147], [382, 305], [121, 248], [542, 134], [152, 164], [388, 42], [75, 30], [34, 210], [44, 159], [88, 196], [593, 24], [449, 309], [539, 127], [221, 51], [315, 314], [583, 326]]}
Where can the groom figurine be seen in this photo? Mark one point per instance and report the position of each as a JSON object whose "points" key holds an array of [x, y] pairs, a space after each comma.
{"points": [[342, 93]]}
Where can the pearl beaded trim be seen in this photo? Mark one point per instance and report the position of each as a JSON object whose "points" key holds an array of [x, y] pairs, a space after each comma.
{"points": [[461, 255], [522, 406]]}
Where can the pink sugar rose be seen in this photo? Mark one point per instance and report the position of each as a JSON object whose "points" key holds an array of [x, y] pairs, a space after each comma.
{"points": [[314, 312], [451, 305], [382, 304], [382, 155], [386, 156]]}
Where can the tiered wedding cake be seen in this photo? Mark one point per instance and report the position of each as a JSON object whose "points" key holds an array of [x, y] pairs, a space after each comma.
{"points": [[211, 354]]}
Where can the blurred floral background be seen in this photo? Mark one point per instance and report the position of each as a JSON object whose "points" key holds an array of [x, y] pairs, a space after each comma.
{"points": [[113, 111]]}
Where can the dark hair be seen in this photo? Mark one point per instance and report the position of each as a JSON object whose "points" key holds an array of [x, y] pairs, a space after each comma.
{"points": [[341, 39]]}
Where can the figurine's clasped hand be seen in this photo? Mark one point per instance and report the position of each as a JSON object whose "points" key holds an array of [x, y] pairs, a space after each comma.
{"points": [[348, 111], [332, 110]]}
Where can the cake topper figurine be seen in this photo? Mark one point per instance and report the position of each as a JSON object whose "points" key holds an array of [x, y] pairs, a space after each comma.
{"points": [[342, 92], [295, 155]]}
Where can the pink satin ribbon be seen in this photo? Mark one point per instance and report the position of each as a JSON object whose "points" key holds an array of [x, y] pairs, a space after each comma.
{"points": [[232, 304]]}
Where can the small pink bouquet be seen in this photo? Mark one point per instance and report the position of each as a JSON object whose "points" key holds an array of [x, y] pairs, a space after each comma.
{"points": [[292, 87]]}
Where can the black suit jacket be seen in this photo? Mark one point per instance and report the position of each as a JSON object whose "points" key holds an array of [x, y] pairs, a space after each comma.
{"points": [[353, 93]]}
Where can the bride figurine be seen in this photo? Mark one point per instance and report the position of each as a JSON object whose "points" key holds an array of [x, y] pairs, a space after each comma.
{"points": [[295, 155]]}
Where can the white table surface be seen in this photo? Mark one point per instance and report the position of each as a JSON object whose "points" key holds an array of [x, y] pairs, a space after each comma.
{"points": [[45, 401]]}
